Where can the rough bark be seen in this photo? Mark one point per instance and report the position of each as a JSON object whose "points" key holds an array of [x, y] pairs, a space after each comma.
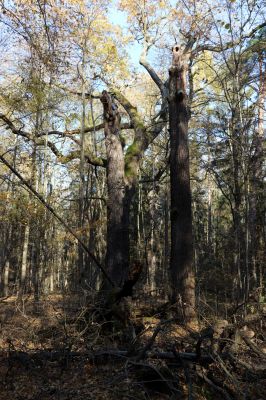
{"points": [[181, 260], [82, 182], [256, 184], [237, 195], [117, 255]]}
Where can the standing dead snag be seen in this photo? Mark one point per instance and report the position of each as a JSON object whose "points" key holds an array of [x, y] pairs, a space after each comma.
{"points": [[180, 68], [181, 260]]}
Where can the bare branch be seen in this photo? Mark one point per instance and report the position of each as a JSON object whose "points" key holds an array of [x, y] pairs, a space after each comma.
{"points": [[86, 130], [40, 141], [230, 44], [89, 157], [143, 61]]}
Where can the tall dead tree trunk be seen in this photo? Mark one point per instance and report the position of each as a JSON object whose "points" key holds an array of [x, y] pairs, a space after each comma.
{"points": [[181, 260]]}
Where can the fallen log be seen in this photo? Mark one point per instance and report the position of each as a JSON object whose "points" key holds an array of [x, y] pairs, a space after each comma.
{"points": [[59, 355]]}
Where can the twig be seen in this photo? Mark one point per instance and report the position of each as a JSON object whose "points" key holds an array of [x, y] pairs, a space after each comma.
{"points": [[253, 369], [152, 339], [149, 344], [228, 373], [167, 382], [215, 387], [252, 346]]}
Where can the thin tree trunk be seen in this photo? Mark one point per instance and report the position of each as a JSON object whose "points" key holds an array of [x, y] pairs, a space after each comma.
{"points": [[210, 194], [24, 262], [8, 232], [256, 184], [36, 222], [237, 203], [153, 240], [166, 239], [82, 183], [6, 278]]}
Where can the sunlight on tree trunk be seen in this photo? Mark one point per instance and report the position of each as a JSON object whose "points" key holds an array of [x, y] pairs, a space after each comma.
{"points": [[181, 261]]}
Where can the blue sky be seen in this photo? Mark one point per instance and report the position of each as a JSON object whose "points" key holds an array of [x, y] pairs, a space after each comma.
{"points": [[118, 17]]}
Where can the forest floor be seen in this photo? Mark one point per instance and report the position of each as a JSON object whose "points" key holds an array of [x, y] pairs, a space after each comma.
{"points": [[50, 351]]}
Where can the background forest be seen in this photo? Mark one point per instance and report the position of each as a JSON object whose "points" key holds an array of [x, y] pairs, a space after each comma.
{"points": [[86, 172]]}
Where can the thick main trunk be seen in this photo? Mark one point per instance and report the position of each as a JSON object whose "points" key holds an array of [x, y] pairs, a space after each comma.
{"points": [[117, 255], [181, 260]]}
